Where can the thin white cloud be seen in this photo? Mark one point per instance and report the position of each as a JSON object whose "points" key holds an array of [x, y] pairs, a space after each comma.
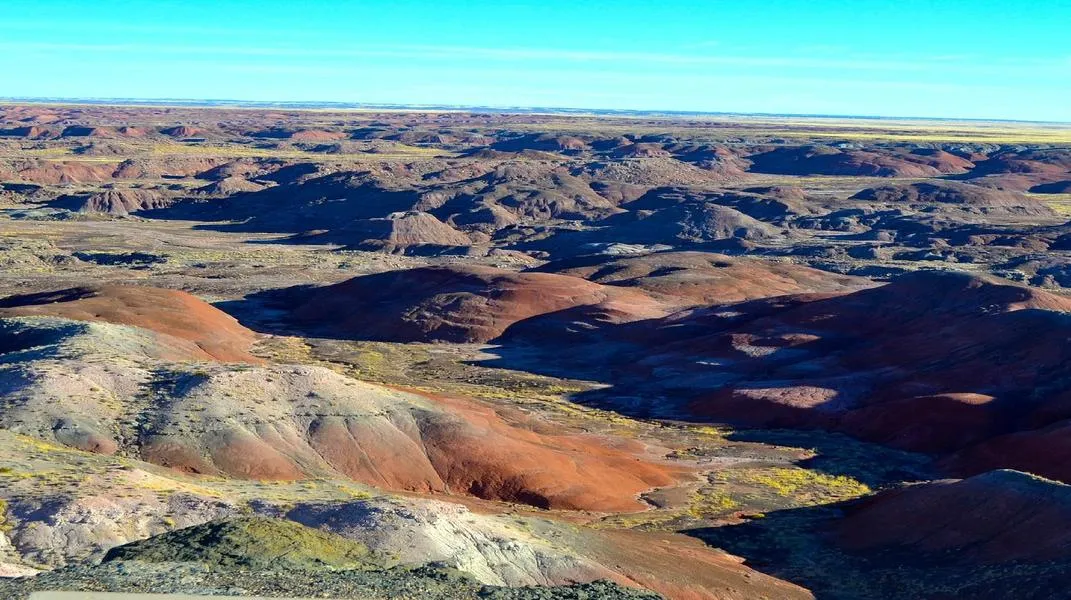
{"points": [[919, 64]]}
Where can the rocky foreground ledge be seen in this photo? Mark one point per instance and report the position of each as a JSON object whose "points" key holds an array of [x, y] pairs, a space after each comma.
{"points": [[260, 557]]}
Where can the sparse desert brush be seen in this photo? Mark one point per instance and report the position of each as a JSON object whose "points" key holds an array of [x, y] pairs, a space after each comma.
{"points": [[1061, 203], [706, 503], [353, 493], [803, 485], [708, 431], [41, 445], [645, 520]]}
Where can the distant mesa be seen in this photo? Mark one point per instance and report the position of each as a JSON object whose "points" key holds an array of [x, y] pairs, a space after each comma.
{"points": [[228, 186], [249, 168], [680, 220], [182, 131], [317, 135], [67, 172], [313, 203], [131, 132], [1032, 161], [787, 193], [681, 224], [948, 163], [641, 150], [776, 205], [663, 171], [968, 197], [1017, 182], [32, 114], [299, 135], [164, 167], [544, 142], [529, 190], [34, 132], [102, 132], [825, 160], [703, 278], [400, 232], [1022, 170], [123, 201], [102, 148]]}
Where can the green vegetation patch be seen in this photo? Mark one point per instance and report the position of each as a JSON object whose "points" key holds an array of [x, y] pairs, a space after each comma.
{"points": [[803, 486], [252, 542]]}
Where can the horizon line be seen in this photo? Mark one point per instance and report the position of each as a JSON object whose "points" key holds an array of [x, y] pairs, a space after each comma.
{"points": [[474, 108]]}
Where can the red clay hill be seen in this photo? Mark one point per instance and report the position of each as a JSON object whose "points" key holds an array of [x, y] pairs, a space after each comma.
{"points": [[966, 197], [188, 327], [938, 362], [120, 202], [182, 131], [926, 342], [458, 303], [968, 368], [992, 518], [702, 278], [999, 534], [478, 304], [465, 447], [292, 422], [311, 422], [934, 362]]}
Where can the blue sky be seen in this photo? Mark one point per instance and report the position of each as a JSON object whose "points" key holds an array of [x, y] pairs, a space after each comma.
{"points": [[931, 58]]}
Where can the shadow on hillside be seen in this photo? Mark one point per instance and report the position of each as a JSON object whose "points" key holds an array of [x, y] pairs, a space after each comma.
{"points": [[267, 312], [801, 546], [838, 454], [608, 354], [789, 544], [322, 204]]}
